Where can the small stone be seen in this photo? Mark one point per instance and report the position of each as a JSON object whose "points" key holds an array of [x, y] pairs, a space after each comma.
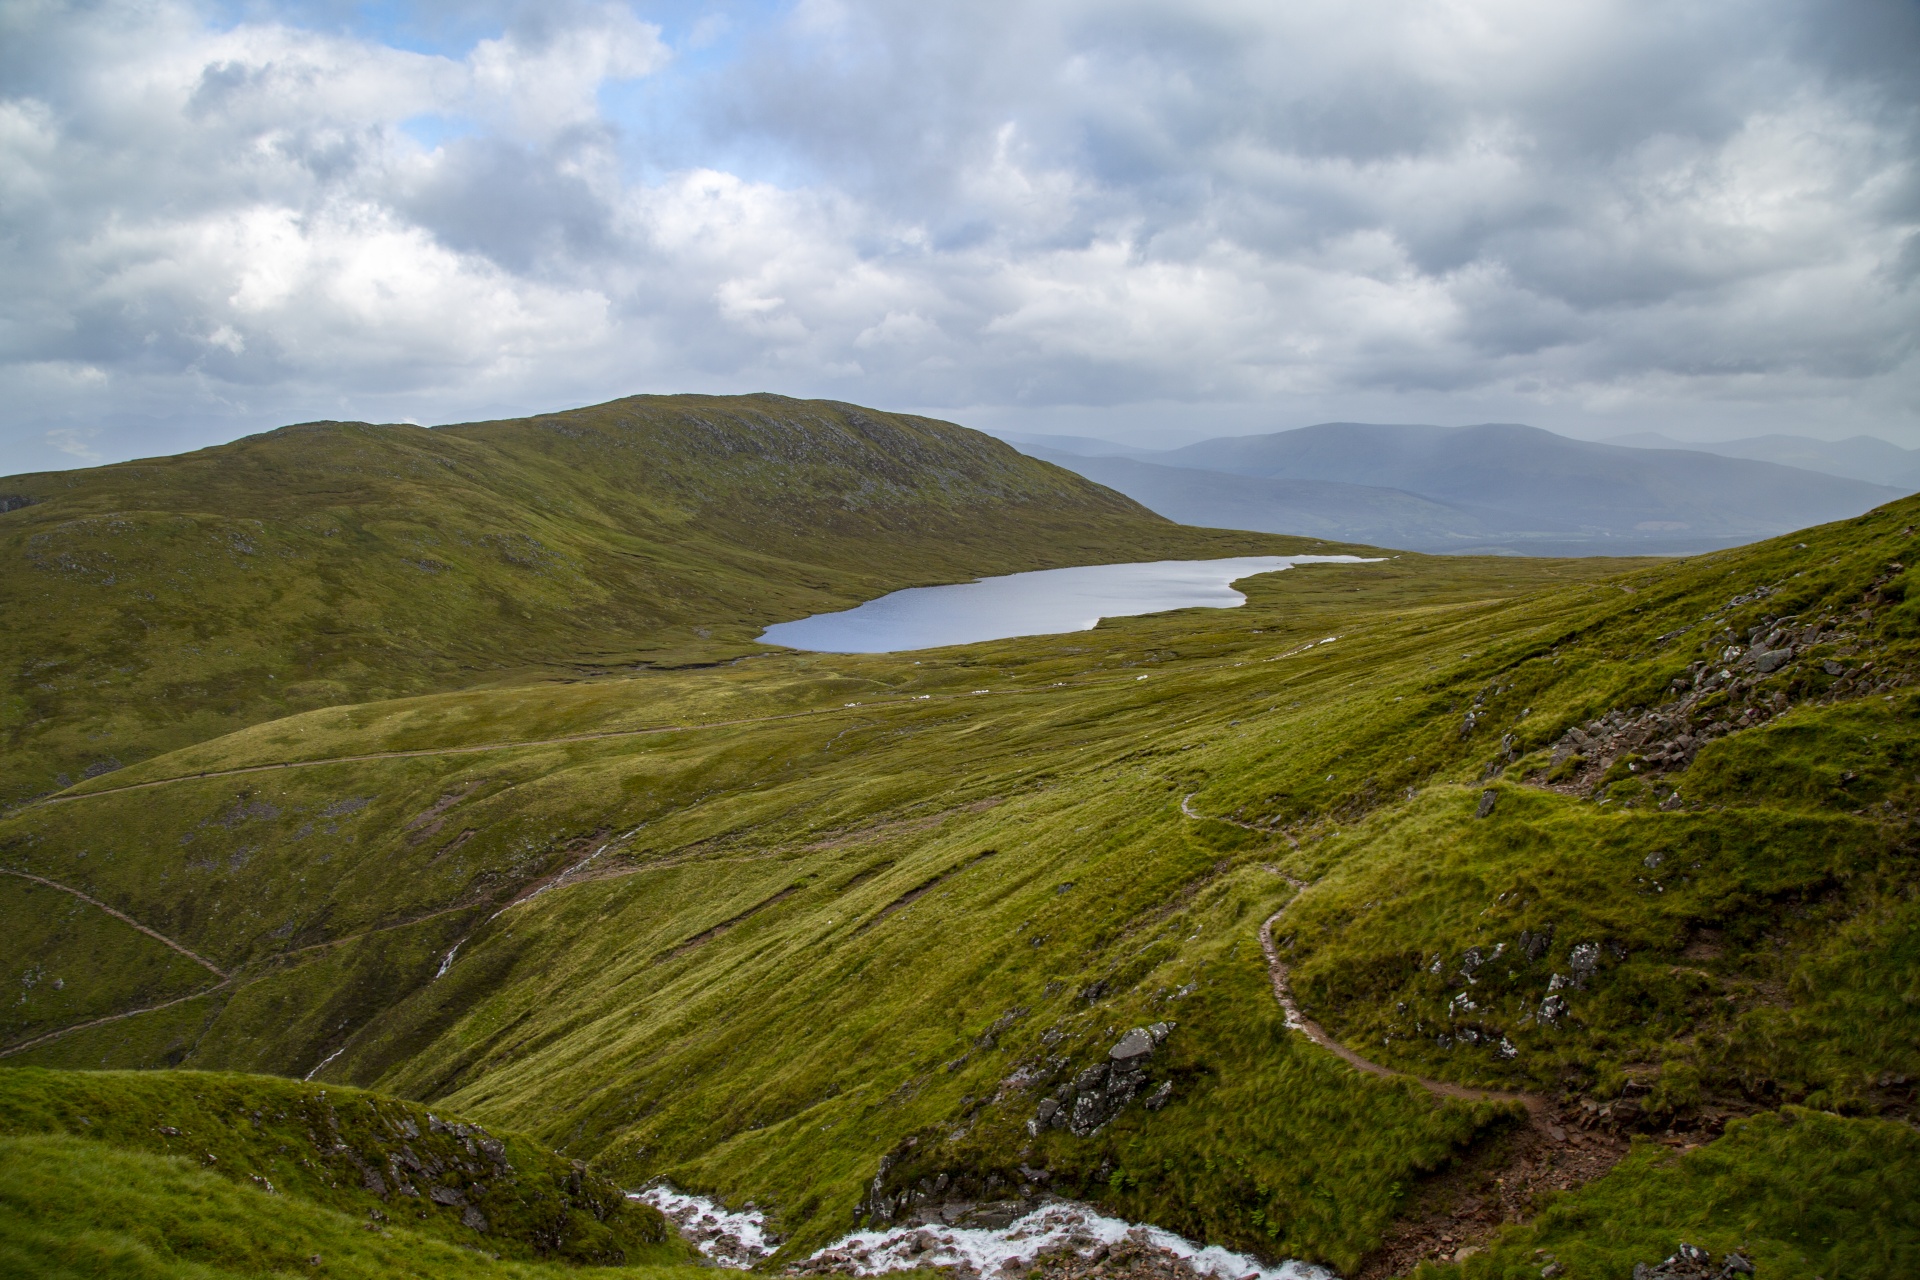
{"points": [[1488, 799], [1135, 1046]]}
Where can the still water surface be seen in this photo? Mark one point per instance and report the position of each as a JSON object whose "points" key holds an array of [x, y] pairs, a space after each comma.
{"points": [[1045, 602]]}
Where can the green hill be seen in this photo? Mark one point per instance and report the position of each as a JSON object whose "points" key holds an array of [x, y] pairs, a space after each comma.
{"points": [[194, 1175], [155, 603], [849, 934]]}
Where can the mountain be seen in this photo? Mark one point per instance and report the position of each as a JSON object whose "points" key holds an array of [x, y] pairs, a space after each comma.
{"points": [[1078, 446], [1865, 458], [1311, 508], [160, 602], [1551, 492], [1601, 872]]}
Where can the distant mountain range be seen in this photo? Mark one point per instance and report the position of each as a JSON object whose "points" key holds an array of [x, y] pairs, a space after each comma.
{"points": [[1857, 457], [1497, 487]]}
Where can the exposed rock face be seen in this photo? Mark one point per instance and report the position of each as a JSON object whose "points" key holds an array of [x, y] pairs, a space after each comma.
{"points": [[1690, 1262], [1716, 698], [1098, 1093]]}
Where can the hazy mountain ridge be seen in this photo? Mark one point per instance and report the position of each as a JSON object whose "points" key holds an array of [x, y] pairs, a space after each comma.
{"points": [[1867, 458], [1311, 508], [1493, 487]]}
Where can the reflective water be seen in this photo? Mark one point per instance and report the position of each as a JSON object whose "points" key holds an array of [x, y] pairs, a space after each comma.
{"points": [[1045, 602]]}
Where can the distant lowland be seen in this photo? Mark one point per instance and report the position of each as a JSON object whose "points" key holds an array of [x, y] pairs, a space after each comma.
{"points": [[1498, 488], [418, 862]]}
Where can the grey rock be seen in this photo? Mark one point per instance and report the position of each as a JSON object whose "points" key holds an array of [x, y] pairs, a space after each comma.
{"points": [[475, 1219], [1135, 1046], [1534, 945], [1488, 799], [1771, 660], [1159, 1097], [1089, 1114], [1833, 668], [1553, 1008], [446, 1196], [1583, 960], [1048, 1115]]}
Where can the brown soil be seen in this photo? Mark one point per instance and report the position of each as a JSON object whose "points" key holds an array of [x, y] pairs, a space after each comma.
{"points": [[1455, 1212]]}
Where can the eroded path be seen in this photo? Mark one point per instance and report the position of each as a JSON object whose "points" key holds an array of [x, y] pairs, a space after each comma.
{"points": [[50, 1036], [121, 916], [1277, 970], [1453, 1213]]}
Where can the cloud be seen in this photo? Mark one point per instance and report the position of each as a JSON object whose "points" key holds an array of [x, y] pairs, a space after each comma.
{"points": [[1605, 211]]}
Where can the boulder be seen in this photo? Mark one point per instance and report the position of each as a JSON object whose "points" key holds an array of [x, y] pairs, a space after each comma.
{"points": [[1135, 1046]]}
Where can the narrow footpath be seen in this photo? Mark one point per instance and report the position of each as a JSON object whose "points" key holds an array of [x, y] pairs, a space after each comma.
{"points": [[121, 916], [1453, 1213]]}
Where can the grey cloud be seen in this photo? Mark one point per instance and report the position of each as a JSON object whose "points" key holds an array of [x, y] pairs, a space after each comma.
{"points": [[1210, 202]]}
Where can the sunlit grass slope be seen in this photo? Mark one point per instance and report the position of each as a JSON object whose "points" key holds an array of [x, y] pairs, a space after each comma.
{"points": [[151, 604], [799, 921], [383, 1163]]}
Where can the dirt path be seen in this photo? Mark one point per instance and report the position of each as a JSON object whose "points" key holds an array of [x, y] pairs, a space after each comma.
{"points": [[24, 1045], [1454, 1213], [123, 917], [1277, 970]]}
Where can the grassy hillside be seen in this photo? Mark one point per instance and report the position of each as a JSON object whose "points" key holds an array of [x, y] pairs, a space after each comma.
{"points": [[829, 932], [379, 1164], [156, 603]]}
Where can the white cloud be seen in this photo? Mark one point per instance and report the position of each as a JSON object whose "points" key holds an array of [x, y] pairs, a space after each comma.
{"points": [[1608, 209]]}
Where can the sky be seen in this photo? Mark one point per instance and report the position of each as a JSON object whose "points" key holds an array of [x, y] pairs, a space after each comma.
{"points": [[1148, 220]]}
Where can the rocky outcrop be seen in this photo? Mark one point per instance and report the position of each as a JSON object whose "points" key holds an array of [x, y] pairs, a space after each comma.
{"points": [[1690, 1262], [1098, 1093], [1715, 698]]}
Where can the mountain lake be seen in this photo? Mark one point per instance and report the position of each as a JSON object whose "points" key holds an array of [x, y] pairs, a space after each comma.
{"points": [[1044, 602]]}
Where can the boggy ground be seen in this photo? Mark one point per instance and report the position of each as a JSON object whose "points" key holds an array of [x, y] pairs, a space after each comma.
{"points": [[832, 929]]}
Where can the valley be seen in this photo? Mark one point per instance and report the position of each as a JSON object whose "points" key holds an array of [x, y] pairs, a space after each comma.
{"points": [[1459, 916]]}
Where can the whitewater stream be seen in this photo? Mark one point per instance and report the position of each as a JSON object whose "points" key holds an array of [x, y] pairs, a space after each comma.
{"points": [[1044, 602], [740, 1239]]}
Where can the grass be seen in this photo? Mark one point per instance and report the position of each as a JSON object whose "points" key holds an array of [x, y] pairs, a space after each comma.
{"points": [[370, 1161], [157, 603], [779, 927], [71, 1208], [1799, 1193]]}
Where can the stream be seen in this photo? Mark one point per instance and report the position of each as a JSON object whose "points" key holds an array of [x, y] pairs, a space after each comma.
{"points": [[740, 1240]]}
